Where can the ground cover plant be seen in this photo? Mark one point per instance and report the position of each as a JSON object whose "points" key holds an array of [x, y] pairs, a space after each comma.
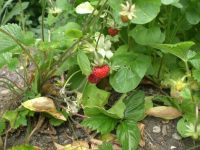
{"points": [[90, 58]]}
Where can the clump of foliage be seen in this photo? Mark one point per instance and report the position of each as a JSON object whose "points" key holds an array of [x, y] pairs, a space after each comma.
{"points": [[100, 48]]}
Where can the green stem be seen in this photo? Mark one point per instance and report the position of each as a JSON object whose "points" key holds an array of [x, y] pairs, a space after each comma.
{"points": [[187, 68], [70, 78], [129, 38], [196, 118], [160, 67], [43, 12], [22, 16]]}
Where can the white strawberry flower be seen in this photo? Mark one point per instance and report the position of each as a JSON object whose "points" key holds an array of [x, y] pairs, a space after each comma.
{"points": [[128, 10], [84, 8], [104, 46], [55, 10]]}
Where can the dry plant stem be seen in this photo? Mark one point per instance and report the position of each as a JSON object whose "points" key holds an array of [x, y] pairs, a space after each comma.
{"points": [[70, 124], [6, 137], [22, 47], [39, 124], [1, 143], [194, 147]]}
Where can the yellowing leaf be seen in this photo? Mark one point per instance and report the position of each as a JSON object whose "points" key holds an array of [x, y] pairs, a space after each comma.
{"points": [[164, 112], [43, 104]]}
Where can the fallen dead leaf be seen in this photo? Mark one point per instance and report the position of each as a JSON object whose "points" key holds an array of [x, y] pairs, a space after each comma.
{"points": [[43, 104], [76, 145], [95, 143], [37, 148], [141, 128], [165, 112]]}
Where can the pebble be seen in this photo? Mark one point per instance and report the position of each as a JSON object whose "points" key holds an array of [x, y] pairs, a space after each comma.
{"points": [[156, 129], [164, 130], [4, 92], [172, 147], [176, 136]]}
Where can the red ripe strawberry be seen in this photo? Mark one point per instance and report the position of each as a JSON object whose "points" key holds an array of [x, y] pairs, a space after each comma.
{"points": [[93, 79], [101, 71], [112, 31]]}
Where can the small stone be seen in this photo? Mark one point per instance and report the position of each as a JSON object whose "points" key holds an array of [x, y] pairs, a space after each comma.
{"points": [[164, 130], [156, 129], [176, 136], [4, 92], [172, 147]]}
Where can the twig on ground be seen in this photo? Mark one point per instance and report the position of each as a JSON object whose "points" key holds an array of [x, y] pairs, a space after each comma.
{"points": [[39, 124]]}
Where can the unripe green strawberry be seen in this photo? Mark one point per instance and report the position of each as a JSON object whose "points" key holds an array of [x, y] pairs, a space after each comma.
{"points": [[101, 71]]}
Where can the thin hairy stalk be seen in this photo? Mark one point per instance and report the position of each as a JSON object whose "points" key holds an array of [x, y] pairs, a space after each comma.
{"points": [[10, 87], [6, 137], [42, 23], [94, 19], [63, 57], [13, 83], [71, 126], [39, 124], [23, 77], [169, 37], [160, 67], [129, 38], [90, 18], [21, 46], [187, 69], [22, 16], [70, 78]]}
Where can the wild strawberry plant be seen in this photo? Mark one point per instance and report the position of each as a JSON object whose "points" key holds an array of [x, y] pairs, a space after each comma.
{"points": [[103, 48]]}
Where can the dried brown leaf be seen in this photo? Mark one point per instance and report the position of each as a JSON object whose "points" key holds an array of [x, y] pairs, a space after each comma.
{"points": [[165, 112], [43, 104], [141, 128]]}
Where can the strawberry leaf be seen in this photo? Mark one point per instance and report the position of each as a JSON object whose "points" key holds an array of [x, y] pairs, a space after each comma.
{"points": [[105, 146], [147, 36], [135, 106], [102, 123], [146, 10], [16, 117], [179, 49], [84, 63], [196, 75], [132, 70], [92, 96], [2, 125], [23, 147], [128, 135]]}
